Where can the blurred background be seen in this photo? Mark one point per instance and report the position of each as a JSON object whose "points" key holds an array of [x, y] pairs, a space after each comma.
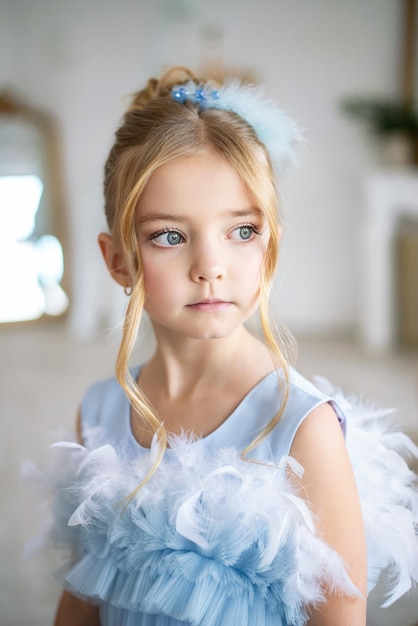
{"points": [[347, 286]]}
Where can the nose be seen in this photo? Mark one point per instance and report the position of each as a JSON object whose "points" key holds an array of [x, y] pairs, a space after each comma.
{"points": [[207, 264]]}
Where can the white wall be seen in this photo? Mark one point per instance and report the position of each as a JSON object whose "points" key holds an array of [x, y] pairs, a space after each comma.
{"points": [[78, 58]]}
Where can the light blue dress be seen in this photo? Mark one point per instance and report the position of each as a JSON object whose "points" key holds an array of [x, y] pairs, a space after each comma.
{"points": [[105, 407], [211, 539]]}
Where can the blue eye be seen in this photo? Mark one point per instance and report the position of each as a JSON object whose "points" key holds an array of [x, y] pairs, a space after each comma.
{"points": [[168, 238], [243, 233]]}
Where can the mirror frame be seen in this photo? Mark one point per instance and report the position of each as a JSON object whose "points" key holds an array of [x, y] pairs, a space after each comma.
{"points": [[15, 108]]}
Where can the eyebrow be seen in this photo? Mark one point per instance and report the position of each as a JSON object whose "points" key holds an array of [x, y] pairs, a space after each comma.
{"points": [[167, 217]]}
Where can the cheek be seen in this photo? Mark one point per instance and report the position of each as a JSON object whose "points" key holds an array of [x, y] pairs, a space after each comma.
{"points": [[159, 282], [153, 278], [250, 267]]}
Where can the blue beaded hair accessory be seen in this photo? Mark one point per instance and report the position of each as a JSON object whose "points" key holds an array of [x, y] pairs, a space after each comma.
{"points": [[278, 132]]}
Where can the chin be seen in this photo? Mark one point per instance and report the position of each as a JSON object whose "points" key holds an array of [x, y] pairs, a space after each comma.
{"points": [[206, 333]]}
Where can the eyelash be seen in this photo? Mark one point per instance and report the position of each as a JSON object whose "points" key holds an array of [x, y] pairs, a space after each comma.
{"points": [[255, 231], [164, 231], [253, 227]]}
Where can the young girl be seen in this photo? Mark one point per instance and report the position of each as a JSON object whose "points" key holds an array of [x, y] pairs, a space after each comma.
{"points": [[212, 485]]}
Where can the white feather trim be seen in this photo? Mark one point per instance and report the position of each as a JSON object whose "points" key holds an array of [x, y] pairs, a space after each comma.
{"points": [[234, 532], [388, 491], [226, 527]]}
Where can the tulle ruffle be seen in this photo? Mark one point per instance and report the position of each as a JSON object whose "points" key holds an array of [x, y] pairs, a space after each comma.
{"points": [[209, 540], [212, 539]]}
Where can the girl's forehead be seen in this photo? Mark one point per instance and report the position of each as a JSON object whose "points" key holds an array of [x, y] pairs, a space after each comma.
{"points": [[206, 160], [200, 181]]}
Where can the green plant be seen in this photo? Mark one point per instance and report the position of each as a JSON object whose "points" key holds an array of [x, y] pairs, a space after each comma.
{"points": [[383, 117]]}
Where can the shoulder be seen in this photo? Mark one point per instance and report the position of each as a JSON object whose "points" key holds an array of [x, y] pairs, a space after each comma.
{"points": [[319, 446], [328, 479], [302, 399], [319, 435], [306, 396]]}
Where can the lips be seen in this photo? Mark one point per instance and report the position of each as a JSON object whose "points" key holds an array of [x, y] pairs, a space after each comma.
{"points": [[209, 304]]}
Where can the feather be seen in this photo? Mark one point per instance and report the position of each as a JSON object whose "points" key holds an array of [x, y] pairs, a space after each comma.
{"points": [[205, 542], [71, 445], [187, 522], [210, 519], [273, 127], [387, 488]]}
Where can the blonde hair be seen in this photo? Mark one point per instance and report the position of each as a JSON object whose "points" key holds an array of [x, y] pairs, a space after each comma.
{"points": [[155, 130]]}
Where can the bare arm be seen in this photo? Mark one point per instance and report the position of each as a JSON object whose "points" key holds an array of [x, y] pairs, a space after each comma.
{"points": [[75, 612], [71, 610], [329, 487]]}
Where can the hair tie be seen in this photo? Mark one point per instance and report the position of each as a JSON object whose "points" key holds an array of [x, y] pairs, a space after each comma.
{"points": [[273, 127]]}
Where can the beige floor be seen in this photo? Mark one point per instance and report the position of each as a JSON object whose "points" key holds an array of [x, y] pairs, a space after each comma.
{"points": [[43, 374]]}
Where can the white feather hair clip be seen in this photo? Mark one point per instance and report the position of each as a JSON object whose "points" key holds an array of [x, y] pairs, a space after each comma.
{"points": [[273, 127]]}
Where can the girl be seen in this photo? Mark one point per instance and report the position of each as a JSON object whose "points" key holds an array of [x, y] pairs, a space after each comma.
{"points": [[192, 478]]}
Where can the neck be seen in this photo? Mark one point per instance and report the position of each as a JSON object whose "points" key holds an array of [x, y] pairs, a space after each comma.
{"points": [[185, 366]]}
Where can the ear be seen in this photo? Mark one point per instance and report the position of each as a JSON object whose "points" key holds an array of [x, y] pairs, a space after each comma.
{"points": [[114, 260]]}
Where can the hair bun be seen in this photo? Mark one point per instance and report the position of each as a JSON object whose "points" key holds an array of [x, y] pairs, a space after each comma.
{"points": [[156, 88]]}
